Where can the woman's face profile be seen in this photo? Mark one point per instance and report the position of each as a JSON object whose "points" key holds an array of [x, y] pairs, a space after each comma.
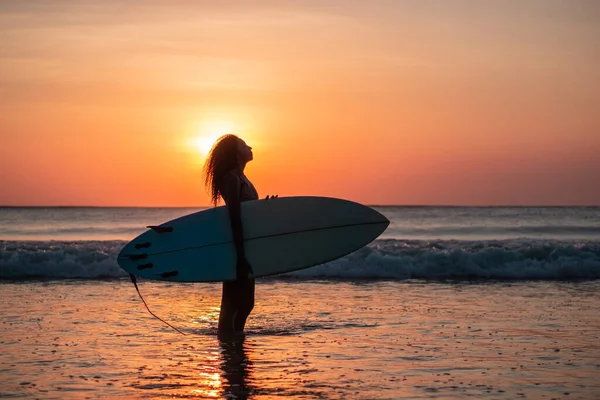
{"points": [[244, 151]]}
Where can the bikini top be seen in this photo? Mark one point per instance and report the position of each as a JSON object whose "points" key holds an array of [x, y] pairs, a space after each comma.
{"points": [[247, 189]]}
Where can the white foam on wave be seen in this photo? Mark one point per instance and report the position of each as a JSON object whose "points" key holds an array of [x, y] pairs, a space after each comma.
{"points": [[502, 259], [383, 259], [60, 259]]}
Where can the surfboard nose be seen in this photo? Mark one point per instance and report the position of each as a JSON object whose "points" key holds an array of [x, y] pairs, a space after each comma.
{"points": [[378, 217], [383, 217], [380, 220]]}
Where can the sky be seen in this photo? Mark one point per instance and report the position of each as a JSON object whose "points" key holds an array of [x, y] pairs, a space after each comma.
{"points": [[115, 103]]}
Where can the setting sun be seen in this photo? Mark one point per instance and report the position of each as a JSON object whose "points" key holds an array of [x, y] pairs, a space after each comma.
{"points": [[209, 132], [203, 144]]}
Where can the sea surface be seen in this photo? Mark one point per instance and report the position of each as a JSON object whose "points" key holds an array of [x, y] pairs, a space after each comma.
{"points": [[450, 302]]}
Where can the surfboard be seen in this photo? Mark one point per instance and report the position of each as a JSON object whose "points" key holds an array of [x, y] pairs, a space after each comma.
{"points": [[281, 235]]}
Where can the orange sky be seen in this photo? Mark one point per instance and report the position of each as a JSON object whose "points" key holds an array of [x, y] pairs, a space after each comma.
{"points": [[387, 102]]}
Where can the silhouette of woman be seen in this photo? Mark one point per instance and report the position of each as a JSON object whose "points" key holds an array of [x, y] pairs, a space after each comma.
{"points": [[224, 178]]}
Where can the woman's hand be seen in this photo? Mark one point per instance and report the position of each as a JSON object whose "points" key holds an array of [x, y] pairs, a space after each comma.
{"points": [[242, 269]]}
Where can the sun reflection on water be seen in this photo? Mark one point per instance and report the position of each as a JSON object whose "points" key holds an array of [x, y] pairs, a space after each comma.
{"points": [[206, 316], [209, 378], [210, 384]]}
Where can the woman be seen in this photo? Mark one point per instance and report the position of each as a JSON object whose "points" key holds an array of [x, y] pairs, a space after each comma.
{"points": [[224, 178]]}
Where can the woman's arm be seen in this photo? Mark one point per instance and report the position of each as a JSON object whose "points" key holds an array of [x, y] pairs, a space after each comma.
{"points": [[231, 192]]}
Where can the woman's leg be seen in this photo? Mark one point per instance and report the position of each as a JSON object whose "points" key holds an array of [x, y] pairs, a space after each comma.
{"points": [[237, 302]]}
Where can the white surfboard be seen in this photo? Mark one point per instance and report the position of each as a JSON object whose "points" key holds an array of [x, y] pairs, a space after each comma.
{"points": [[280, 235]]}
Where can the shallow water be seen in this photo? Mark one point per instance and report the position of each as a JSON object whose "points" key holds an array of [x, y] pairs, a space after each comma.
{"points": [[305, 339]]}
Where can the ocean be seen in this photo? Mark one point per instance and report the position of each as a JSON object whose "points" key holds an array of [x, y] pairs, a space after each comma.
{"points": [[450, 302]]}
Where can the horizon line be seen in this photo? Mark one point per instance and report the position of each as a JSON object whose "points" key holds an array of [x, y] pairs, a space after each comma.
{"points": [[369, 205]]}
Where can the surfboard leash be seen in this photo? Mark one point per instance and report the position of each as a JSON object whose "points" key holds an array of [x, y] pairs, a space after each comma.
{"points": [[134, 280]]}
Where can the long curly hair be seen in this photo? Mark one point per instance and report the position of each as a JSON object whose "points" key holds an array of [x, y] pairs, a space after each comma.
{"points": [[223, 157]]}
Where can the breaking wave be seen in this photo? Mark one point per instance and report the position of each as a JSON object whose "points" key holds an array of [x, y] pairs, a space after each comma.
{"points": [[522, 259]]}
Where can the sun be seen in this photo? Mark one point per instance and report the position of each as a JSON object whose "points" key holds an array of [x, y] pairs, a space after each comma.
{"points": [[208, 134], [203, 144]]}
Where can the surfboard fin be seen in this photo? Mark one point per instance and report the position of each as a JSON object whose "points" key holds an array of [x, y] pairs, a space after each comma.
{"points": [[143, 245], [137, 256], [145, 266], [169, 274], [160, 229]]}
